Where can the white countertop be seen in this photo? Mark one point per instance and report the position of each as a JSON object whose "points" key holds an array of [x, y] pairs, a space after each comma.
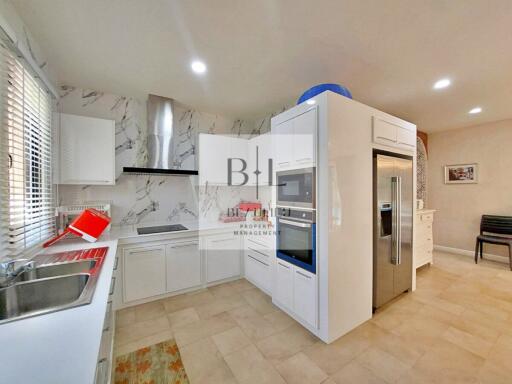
{"points": [[127, 234], [60, 347]]}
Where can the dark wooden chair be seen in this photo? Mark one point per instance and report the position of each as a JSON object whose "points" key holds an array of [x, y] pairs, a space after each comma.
{"points": [[495, 230]]}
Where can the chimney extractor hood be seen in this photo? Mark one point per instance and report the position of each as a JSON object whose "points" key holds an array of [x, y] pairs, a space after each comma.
{"points": [[162, 141]]}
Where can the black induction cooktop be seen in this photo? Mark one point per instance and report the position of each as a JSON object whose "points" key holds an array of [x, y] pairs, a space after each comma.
{"points": [[161, 229]]}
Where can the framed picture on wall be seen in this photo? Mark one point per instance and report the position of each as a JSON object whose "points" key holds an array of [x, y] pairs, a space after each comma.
{"points": [[461, 174]]}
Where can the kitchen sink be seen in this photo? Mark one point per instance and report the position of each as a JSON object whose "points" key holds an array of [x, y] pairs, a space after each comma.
{"points": [[47, 295], [58, 281], [60, 269]]}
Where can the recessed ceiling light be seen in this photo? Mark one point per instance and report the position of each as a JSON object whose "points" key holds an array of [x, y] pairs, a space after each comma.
{"points": [[198, 67], [475, 110], [311, 101], [443, 83]]}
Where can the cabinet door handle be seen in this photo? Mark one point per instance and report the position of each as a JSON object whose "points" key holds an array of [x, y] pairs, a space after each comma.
{"points": [[261, 262], [112, 286], [386, 138], [183, 245], [145, 251], [304, 159], [101, 371], [303, 275], [285, 266], [255, 250], [116, 262], [108, 315]]}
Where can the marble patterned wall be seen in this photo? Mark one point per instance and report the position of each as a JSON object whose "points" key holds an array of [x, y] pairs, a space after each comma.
{"points": [[146, 199]]}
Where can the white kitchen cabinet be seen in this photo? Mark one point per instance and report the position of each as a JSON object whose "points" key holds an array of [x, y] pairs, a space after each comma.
{"points": [[222, 254], [239, 159], [304, 296], [283, 286], [85, 150], [283, 150], [304, 138], [144, 272], [183, 265], [258, 156], [214, 153], [423, 238], [394, 133], [258, 271], [295, 141]]}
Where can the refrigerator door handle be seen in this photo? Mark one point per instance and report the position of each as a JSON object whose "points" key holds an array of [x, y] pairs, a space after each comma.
{"points": [[399, 221], [396, 219]]}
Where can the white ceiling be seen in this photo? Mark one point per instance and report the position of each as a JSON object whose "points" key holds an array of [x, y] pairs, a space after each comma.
{"points": [[263, 54]]}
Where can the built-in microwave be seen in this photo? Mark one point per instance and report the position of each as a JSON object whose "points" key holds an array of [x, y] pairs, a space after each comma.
{"points": [[296, 237], [296, 188]]}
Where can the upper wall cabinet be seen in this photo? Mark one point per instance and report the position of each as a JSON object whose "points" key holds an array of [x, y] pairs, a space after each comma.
{"points": [[85, 150], [258, 156], [295, 141], [394, 132], [214, 154]]}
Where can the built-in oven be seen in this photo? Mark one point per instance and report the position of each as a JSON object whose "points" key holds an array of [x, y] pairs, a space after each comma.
{"points": [[296, 188], [296, 237]]}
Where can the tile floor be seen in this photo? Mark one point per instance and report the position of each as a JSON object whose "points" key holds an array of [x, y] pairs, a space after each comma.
{"points": [[456, 328]]}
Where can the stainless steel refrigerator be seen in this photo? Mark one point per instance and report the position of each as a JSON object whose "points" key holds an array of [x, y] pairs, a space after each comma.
{"points": [[392, 227]]}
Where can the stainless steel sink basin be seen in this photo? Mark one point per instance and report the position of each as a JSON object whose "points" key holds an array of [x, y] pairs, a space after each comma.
{"points": [[60, 269], [41, 296], [59, 281]]}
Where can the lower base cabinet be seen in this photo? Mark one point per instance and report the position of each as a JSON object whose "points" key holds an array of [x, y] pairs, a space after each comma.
{"points": [[222, 254], [183, 264], [258, 272], [295, 289], [144, 272], [156, 270]]}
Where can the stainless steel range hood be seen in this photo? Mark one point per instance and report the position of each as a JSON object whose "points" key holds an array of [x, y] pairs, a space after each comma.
{"points": [[160, 140]]}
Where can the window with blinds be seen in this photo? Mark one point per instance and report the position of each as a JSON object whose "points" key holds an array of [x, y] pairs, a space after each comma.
{"points": [[27, 203]]}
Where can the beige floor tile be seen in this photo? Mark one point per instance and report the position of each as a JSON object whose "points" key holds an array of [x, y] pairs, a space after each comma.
{"points": [[493, 374], [141, 330], [424, 330], [203, 328], [261, 302], [125, 317], [204, 363], [299, 369], [223, 290], [242, 285], [446, 362], [254, 325], [231, 340], [279, 320], [382, 364], [187, 300], [122, 349], [501, 353], [333, 357], [284, 344], [183, 317], [468, 341], [219, 305], [406, 350], [355, 373], [149, 310], [469, 322], [250, 367]]}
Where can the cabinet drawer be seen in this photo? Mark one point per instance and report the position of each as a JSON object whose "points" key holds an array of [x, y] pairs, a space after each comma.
{"points": [[384, 132], [258, 248], [427, 217], [304, 296], [258, 272]]}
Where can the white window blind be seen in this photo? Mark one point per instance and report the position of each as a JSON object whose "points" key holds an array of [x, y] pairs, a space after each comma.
{"points": [[27, 203]]}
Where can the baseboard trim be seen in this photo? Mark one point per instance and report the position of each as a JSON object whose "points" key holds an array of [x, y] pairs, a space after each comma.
{"points": [[465, 252]]}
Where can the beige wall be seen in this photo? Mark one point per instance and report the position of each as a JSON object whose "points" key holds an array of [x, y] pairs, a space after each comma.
{"points": [[460, 206]]}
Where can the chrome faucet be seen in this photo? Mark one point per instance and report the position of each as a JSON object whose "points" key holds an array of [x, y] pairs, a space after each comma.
{"points": [[8, 270]]}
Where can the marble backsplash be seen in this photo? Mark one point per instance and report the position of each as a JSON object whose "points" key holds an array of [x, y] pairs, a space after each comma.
{"points": [[145, 199]]}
